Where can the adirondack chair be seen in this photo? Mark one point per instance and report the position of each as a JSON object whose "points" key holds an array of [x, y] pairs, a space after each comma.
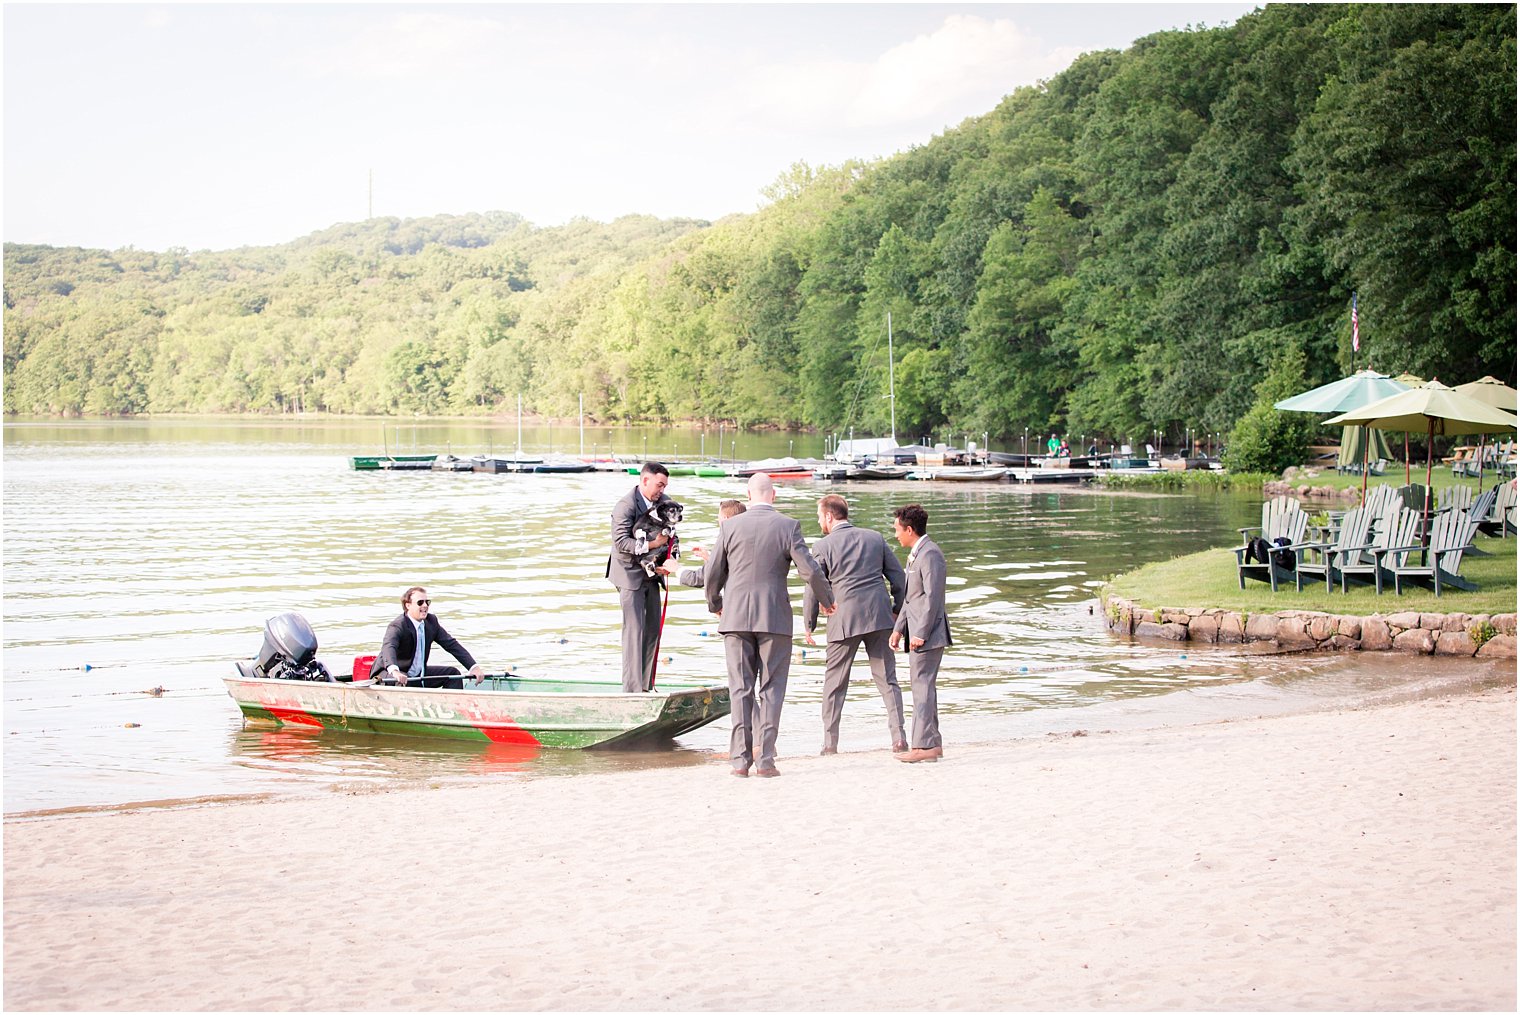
{"points": [[1455, 497], [1373, 561], [1413, 496], [1451, 534], [1348, 544], [1281, 517], [1501, 519], [1272, 513], [1481, 511], [1379, 500]]}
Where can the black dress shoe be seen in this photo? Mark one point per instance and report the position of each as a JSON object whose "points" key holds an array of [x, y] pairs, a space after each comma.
{"points": [[766, 773]]}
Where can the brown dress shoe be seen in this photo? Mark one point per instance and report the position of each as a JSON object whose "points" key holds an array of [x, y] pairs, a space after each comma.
{"points": [[742, 773], [901, 747], [767, 773], [922, 754], [827, 751]]}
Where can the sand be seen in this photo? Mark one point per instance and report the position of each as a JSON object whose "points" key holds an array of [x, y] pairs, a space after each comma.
{"points": [[1340, 860]]}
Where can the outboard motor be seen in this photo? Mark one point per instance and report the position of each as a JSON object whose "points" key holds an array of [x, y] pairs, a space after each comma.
{"points": [[289, 651]]}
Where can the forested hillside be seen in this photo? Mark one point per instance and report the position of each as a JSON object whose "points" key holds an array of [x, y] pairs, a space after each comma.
{"points": [[1129, 246]]}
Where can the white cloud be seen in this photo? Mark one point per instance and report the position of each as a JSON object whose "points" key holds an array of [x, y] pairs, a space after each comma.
{"points": [[425, 46], [963, 67]]}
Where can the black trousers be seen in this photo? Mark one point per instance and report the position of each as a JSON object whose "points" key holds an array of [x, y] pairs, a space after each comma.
{"points": [[436, 676]]}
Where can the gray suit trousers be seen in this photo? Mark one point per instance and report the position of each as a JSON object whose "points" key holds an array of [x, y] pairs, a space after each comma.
{"points": [[641, 634], [758, 666], [923, 672], [838, 657]]}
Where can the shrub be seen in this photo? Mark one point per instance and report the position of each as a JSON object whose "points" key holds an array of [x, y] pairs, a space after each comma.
{"points": [[1267, 439]]}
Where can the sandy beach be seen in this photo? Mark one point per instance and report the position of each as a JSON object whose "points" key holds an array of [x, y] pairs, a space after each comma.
{"points": [[1357, 859]]}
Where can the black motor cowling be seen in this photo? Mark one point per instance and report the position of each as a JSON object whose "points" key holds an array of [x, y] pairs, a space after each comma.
{"points": [[290, 650]]}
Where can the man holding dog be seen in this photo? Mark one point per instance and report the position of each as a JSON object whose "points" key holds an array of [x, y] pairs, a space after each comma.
{"points": [[638, 591], [745, 577], [868, 585]]}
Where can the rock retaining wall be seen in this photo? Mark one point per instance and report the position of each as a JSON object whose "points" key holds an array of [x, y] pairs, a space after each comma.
{"points": [[1449, 634]]}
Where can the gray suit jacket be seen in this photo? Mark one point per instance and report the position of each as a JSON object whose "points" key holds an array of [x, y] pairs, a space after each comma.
{"points": [[623, 566], [745, 576], [923, 612], [855, 561]]}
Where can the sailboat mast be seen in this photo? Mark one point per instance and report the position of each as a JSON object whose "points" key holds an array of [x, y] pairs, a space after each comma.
{"points": [[891, 378], [519, 424]]}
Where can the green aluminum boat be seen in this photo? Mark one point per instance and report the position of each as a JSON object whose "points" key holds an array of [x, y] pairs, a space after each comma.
{"points": [[506, 709]]}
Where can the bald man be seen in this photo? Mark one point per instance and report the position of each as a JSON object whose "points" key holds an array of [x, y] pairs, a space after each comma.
{"points": [[746, 587]]}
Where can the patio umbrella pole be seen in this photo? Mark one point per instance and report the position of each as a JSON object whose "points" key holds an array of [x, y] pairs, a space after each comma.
{"points": [[1366, 440], [1430, 443], [1406, 458]]}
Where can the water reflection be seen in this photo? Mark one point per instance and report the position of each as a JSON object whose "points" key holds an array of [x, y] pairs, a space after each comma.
{"points": [[152, 552]]}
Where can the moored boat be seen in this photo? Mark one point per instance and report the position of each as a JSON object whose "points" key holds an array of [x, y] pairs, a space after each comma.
{"points": [[505, 708], [698, 469], [961, 474], [366, 463], [286, 685]]}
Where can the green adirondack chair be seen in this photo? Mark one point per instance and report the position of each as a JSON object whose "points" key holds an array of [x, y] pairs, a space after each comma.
{"points": [[1501, 518], [1379, 500], [1458, 497], [1348, 546], [1281, 517], [1450, 535], [1389, 545]]}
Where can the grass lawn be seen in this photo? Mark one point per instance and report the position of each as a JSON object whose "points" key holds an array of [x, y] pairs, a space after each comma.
{"points": [[1208, 579], [1440, 478]]}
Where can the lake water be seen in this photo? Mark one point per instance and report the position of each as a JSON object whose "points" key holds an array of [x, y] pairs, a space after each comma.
{"points": [[148, 554]]}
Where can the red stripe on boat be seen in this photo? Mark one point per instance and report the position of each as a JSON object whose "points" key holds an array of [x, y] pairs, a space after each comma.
{"points": [[511, 735], [294, 715]]}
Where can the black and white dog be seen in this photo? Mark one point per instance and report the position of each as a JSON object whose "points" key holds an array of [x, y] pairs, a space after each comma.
{"points": [[662, 517]]}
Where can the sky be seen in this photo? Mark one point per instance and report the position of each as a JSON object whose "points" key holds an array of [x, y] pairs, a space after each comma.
{"points": [[213, 126]]}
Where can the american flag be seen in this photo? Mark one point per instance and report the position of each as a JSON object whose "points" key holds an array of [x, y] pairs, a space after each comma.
{"points": [[1356, 335]]}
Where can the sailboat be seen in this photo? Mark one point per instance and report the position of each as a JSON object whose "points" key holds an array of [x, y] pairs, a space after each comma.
{"points": [[866, 452]]}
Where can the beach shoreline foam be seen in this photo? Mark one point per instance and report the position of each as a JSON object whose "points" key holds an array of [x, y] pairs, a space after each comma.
{"points": [[1346, 859]]}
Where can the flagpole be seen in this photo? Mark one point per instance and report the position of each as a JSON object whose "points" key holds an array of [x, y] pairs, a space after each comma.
{"points": [[1356, 337]]}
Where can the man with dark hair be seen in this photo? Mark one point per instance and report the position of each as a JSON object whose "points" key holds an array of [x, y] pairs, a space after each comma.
{"points": [[746, 588], [638, 590], [868, 592], [404, 649], [924, 624]]}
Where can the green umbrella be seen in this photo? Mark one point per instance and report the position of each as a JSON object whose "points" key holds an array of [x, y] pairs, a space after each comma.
{"points": [[1361, 388], [1360, 445], [1490, 391], [1430, 409]]}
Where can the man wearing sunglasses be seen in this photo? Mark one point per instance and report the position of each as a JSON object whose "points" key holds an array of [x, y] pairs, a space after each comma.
{"points": [[404, 650]]}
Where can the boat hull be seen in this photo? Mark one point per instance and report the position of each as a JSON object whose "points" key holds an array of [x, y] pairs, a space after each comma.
{"points": [[505, 710], [365, 463]]}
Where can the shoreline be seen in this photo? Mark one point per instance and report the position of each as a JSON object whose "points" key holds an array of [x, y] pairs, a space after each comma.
{"points": [[1480, 636], [1358, 859]]}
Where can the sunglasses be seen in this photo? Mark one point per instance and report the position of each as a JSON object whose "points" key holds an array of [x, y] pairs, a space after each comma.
{"points": [[422, 602]]}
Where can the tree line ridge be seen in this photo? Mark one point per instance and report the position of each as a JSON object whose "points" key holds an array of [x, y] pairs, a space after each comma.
{"points": [[1135, 244]]}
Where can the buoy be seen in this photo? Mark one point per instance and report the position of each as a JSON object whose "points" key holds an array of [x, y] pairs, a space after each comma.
{"points": [[564, 641], [668, 659], [87, 667], [1184, 655], [132, 725], [701, 634], [1023, 669]]}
